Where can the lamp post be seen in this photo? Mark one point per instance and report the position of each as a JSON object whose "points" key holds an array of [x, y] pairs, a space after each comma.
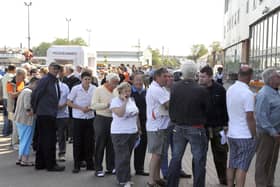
{"points": [[68, 20], [28, 5], [89, 31]]}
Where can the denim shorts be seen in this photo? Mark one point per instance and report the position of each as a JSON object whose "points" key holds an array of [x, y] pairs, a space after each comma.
{"points": [[157, 141], [241, 153]]}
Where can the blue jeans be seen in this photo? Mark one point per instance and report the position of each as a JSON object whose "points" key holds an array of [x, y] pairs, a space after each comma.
{"points": [[198, 141], [7, 128], [164, 158]]}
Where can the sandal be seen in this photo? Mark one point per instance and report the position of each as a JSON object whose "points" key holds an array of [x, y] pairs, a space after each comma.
{"points": [[26, 164], [18, 162]]}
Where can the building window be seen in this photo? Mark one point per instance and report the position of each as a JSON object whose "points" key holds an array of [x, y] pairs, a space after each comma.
{"points": [[226, 5], [238, 16], [254, 4], [247, 7], [277, 64], [265, 44]]}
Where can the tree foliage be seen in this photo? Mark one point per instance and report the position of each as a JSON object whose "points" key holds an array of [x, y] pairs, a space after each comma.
{"points": [[163, 61], [156, 57], [41, 49], [215, 46], [197, 51]]}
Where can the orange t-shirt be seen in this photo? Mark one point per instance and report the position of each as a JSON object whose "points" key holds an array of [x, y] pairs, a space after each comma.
{"points": [[126, 76], [10, 87]]}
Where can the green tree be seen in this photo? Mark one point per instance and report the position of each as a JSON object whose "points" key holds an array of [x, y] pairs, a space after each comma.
{"points": [[156, 57], [78, 41], [215, 46], [41, 49], [215, 49], [171, 62], [197, 51], [61, 41]]}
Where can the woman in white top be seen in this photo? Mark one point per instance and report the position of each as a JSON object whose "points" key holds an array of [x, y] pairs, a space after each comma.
{"points": [[79, 100], [124, 131]]}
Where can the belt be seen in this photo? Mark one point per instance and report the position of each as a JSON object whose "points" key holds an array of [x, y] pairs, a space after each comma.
{"points": [[198, 126]]}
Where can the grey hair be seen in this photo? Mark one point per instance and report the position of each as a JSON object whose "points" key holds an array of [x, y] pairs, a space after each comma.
{"points": [[123, 86], [268, 74], [20, 71], [112, 76], [69, 67], [189, 70]]}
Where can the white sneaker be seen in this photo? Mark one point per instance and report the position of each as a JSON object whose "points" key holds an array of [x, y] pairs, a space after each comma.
{"points": [[61, 158], [114, 171], [127, 184], [15, 147], [99, 174]]}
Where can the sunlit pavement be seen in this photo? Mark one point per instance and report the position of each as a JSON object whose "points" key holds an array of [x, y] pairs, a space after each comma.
{"points": [[12, 175]]}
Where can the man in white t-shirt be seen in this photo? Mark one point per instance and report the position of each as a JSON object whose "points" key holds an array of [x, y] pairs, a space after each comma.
{"points": [[157, 100], [242, 127]]}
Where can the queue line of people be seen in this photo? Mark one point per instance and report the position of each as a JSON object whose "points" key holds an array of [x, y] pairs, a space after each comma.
{"points": [[118, 117]]}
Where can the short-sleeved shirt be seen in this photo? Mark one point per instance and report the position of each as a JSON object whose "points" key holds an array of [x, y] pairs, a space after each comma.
{"points": [[64, 91], [155, 98], [240, 99], [81, 97], [128, 123]]}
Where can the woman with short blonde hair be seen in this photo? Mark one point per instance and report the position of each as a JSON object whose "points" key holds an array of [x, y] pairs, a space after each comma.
{"points": [[124, 131]]}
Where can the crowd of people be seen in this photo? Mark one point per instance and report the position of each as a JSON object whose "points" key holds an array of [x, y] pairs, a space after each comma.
{"points": [[130, 110]]}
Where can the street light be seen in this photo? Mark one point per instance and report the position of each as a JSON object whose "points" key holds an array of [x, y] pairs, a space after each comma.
{"points": [[28, 38], [68, 20], [89, 31]]}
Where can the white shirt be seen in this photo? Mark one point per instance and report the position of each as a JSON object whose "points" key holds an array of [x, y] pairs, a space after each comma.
{"points": [[5, 79], [155, 98], [240, 99], [64, 91], [81, 97], [128, 123]]}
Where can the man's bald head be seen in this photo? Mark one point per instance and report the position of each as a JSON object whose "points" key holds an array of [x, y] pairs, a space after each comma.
{"points": [[245, 73]]}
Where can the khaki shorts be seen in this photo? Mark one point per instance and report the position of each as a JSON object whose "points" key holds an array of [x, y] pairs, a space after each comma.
{"points": [[157, 141]]}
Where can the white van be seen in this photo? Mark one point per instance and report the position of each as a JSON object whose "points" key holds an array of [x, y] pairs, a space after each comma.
{"points": [[71, 54]]}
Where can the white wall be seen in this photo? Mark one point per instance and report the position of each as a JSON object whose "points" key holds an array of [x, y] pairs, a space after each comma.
{"points": [[258, 12]]}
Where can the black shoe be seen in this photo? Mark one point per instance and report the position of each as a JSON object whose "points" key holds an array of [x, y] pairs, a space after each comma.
{"points": [[71, 140], [76, 170], [223, 182], [161, 182], [83, 164], [184, 175], [57, 168], [141, 173], [111, 172]]}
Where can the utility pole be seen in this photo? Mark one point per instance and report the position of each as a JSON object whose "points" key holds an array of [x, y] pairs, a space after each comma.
{"points": [[89, 31], [68, 20], [28, 37]]}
